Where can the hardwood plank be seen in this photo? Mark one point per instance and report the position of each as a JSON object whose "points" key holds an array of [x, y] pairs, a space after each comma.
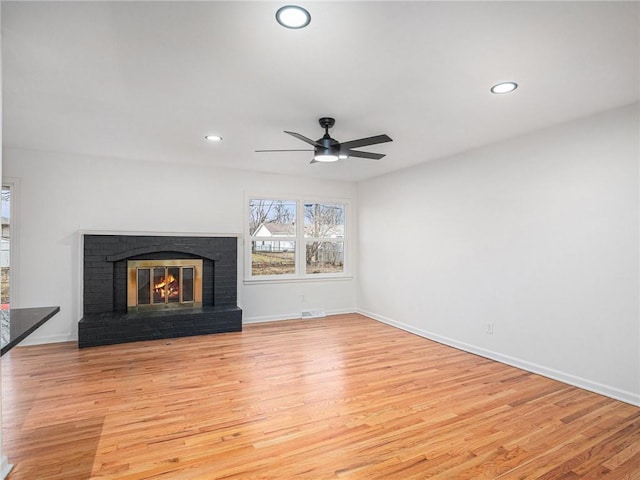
{"points": [[341, 397]]}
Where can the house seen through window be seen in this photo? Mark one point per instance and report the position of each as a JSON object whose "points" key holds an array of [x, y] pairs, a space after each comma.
{"points": [[293, 237]]}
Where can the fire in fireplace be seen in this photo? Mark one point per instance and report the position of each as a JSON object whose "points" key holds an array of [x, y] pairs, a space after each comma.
{"points": [[163, 284]]}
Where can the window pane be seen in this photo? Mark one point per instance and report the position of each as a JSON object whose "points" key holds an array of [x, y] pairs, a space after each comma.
{"points": [[273, 257], [323, 220], [325, 257], [272, 218]]}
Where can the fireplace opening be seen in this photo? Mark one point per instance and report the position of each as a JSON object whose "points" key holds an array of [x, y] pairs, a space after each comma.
{"points": [[164, 284]]}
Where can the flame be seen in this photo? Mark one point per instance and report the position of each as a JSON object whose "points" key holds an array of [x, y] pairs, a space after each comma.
{"points": [[172, 286]]}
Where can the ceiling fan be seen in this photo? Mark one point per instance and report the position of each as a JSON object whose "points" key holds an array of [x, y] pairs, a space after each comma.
{"points": [[327, 149]]}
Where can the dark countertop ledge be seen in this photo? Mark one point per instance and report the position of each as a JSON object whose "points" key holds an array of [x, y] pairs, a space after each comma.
{"points": [[18, 323]]}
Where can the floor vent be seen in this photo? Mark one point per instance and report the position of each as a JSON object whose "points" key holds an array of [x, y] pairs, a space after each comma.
{"points": [[313, 314]]}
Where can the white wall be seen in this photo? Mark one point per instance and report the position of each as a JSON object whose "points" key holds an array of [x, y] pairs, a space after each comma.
{"points": [[538, 235], [62, 194]]}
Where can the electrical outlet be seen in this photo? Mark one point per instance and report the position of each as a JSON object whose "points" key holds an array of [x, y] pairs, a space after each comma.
{"points": [[490, 328]]}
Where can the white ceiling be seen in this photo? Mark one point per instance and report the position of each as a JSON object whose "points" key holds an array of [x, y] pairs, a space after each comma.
{"points": [[148, 80]]}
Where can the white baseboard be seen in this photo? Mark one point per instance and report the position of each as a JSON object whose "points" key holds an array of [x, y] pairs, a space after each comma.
{"points": [[270, 318], [292, 316], [586, 384], [40, 340]]}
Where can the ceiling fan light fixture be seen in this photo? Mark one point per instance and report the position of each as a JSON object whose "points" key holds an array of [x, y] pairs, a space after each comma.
{"points": [[343, 156], [504, 87], [325, 156], [293, 16], [213, 138]]}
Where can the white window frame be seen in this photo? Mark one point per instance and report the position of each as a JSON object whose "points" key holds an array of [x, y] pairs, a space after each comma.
{"points": [[300, 274]]}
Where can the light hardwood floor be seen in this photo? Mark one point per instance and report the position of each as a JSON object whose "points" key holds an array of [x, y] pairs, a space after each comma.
{"points": [[343, 397]]}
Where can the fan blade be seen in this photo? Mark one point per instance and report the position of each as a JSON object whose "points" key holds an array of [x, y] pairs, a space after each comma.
{"points": [[307, 150], [363, 142], [313, 160], [304, 139], [369, 155]]}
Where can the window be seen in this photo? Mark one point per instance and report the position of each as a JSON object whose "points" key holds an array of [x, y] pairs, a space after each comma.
{"points": [[293, 238], [5, 248]]}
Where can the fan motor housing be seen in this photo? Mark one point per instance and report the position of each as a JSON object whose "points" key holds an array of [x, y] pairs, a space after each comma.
{"points": [[328, 142]]}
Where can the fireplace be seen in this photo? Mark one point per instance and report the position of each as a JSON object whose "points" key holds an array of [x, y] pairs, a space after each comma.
{"points": [[164, 284], [150, 287]]}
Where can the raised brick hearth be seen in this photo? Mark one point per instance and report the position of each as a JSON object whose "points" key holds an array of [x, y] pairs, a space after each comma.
{"points": [[106, 319]]}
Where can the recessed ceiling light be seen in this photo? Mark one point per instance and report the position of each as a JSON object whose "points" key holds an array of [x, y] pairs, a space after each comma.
{"points": [[504, 87], [292, 16], [213, 138]]}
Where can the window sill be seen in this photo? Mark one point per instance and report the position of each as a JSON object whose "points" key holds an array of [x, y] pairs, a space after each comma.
{"points": [[273, 280]]}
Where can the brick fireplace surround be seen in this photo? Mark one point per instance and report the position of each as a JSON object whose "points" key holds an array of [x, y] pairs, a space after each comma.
{"points": [[106, 319]]}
